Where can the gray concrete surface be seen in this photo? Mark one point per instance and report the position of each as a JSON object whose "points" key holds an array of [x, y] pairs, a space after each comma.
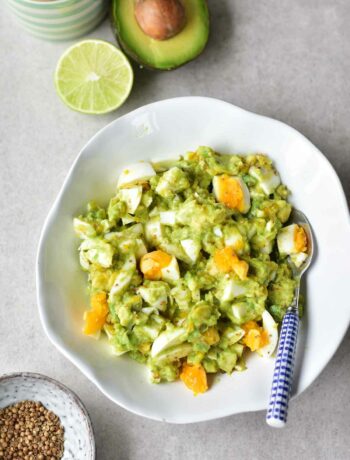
{"points": [[282, 58]]}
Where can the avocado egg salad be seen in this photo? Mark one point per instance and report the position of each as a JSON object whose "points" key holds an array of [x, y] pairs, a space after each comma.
{"points": [[187, 265]]}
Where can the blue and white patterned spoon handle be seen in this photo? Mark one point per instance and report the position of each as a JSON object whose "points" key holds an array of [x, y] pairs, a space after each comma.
{"points": [[283, 373]]}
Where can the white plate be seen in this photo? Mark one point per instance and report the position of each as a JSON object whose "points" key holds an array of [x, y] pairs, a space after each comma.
{"points": [[167, 129]]}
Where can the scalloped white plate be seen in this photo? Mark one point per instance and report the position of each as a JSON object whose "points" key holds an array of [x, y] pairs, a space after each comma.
{"points": [[167, 129]]}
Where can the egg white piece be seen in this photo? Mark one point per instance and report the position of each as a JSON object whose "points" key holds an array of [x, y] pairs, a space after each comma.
{"points": [[268, 180], [128, 219], [239, 310], [286, 240], [246, 195], [148, 310], [151, 331], [217, 189], [232, 289], [299, 259], [234, 239], [233, 335], [167, 339], [126, 245], [192, 248], [267, 248], [84, 261], [97, 251], [136, 245], [148, 296], [124, 277], [174, 353], [131, 197], [135, 173], [270, 326], [171, 272], [217, 231], [153, 231], [83, 229], [167, 217], [270, 183], [141, 249]]}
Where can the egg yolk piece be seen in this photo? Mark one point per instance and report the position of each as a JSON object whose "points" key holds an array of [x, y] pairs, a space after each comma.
{"points": [[300, 239], [255, 336], [194, 377], [95, 318], [226, 261], [232, 192], [223, 259], [152, 263]]}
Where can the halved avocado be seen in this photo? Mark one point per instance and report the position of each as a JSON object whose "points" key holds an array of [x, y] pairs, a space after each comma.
{"points": [[162, 54]]}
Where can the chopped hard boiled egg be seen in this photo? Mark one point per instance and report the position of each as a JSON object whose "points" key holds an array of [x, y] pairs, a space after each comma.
{"points": [[174, 353], [152, 264], [234, 238], [263, 339], [123, 277], [127, 219], [131, 197], [239, 311], [217, 232], [167, 217], [153, 231], [83, 229], [158, 265], [271, 329], [97, 251], [268, 180], [194, 377], [96, 317], [292, 240], [174, 180], [155, 295], [232, 192], [141, 249], [135, 174], [226, 261], [255, 337], [192, 248], [171, 272], [168, 338], [299, 259], [231, 289]]}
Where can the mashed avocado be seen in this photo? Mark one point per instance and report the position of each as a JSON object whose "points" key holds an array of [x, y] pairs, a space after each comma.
{"points": [[187, 262]]}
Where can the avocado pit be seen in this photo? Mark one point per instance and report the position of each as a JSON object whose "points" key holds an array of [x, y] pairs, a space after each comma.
{"points": [[160, 19]]}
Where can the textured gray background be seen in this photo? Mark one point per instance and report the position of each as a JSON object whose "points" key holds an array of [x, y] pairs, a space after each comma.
{"points": [[289, 59]]}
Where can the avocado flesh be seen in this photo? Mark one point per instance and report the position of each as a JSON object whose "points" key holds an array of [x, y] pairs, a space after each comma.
{"points": [[162, 54]]}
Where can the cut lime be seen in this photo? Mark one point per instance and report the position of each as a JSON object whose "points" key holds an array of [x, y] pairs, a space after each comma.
{"points": [[93, 76]]}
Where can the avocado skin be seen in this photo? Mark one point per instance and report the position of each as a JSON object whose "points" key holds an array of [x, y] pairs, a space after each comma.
{"points": [[143, 63]]}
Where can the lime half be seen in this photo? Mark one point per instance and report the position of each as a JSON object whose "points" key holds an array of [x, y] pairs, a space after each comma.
{"points": [[93, 76]]}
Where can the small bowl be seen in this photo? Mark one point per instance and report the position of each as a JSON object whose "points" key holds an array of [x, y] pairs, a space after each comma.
{"points": [[60, 19], [79, 442]]}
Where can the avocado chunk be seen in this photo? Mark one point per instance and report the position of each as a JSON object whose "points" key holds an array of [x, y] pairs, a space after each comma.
{"points": [[162, 54]]}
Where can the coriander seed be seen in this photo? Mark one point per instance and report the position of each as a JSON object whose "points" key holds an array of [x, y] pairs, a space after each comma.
{"points": [[24, 431]]}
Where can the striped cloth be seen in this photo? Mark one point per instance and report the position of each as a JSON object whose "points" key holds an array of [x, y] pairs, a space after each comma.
{"points": [[58, 19]]}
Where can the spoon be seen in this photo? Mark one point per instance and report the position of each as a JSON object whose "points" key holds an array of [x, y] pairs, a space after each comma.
{"points": [[283, 374]]}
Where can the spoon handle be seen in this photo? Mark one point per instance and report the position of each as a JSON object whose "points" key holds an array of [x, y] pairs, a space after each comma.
{"points": [[283, 373]]}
